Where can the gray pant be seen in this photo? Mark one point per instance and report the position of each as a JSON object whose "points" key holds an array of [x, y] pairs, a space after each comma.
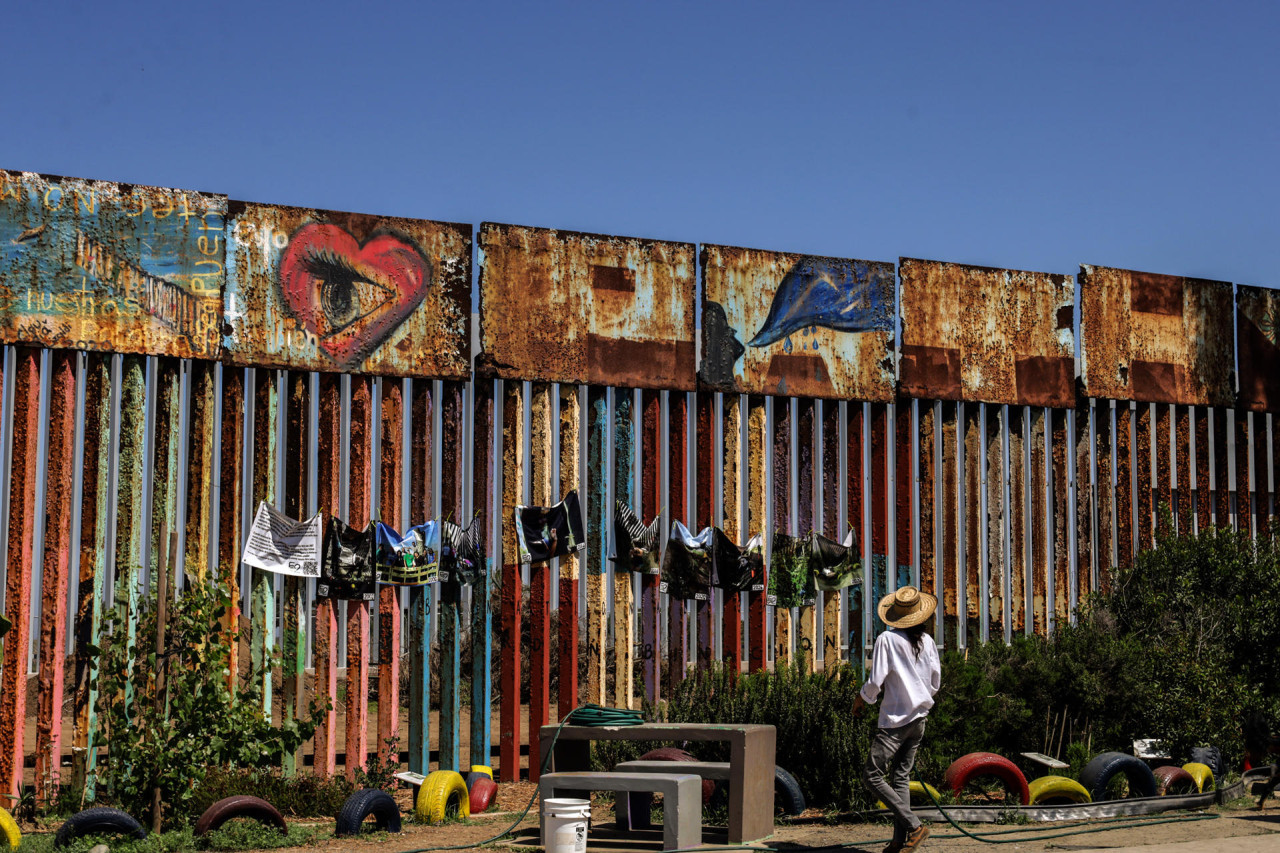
{"points": [[888, 772]]}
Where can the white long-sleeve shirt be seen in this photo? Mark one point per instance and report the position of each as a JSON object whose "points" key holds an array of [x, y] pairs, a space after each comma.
{"points": [[909, 683]]}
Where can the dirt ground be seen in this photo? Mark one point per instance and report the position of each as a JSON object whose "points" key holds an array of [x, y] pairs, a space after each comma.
{"points": [[1236, 827]]}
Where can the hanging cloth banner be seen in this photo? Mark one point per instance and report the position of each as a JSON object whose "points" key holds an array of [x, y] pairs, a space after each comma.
{"points": [[686, 565], [346, 568], [409, 560], [636, 547], [738, 568], [790, 578], [535, 526], [279, 544], [835, 565], [461, 558]]}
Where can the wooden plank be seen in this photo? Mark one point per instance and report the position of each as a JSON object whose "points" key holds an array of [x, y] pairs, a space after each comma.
{"points": [[677, 457], [624, 490], [509, 633], [95, 501], [482, 485], [597, 527], [650, 506], [731, 617], [324, 645], [568, 612], [359, 509], [757, 502], [542, 492], [393, 464], [56, 568], [293, 640]]}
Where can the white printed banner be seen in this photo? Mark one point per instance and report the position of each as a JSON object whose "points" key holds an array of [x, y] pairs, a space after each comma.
{"points": [[279, 544]]}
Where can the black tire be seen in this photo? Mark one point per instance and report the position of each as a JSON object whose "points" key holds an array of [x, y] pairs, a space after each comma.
{"points": [[98, 821], [471, 776], [1211, 757], [362, 804], [1099, 772], [241, 805], [787, 795]]}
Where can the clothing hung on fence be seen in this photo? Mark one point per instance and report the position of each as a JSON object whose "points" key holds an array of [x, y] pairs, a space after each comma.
{"points": [[409, 560], [347, 569], [535, 525], [636, 547], [686, 565], [738, 568], [461, 558], [790, 574], [835, 564]]}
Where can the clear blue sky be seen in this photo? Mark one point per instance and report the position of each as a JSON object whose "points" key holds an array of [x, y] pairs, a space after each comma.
{"points": [[1029, 135]]}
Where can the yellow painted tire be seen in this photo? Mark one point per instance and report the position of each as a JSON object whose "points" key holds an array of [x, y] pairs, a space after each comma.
{"points": [[481, 768], [1202, 774], [10, 829], [1057, 788], [443, 795], [918, 795]]}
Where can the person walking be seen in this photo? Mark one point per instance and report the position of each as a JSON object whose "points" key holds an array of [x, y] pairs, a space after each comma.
{"points": [[905, 668]]}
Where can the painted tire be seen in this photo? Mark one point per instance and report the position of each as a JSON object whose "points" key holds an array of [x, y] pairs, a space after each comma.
{"points": [[787, 795], [470, 778], [1057, 791], [483, 769], [98, 821], [1099, 772], [483, 793], [1211, 757], [1202, 774], [9, 827], [675, 753], [920, 792], [241, 805], [1172, 779], [968, 767], [443, 795], [365, 803]]}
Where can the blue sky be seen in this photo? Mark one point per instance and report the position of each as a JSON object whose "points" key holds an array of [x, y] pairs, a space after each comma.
{"points": [[1027, 135]]}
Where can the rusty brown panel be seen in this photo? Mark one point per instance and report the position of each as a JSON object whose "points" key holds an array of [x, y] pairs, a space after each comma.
{"points": [[1062, 444], [975, 526], [797, 325], [928, 566], [1125, 427], [831, 472], [359, 507], [1221, 494], [392, 463], [347, 292], [56, 568], [1036, 523], [1163, 500], [1156, 338], [994, 522], [1181, 483], [201, 469], [1258, 347], [1203, 496], [1086, 536], [560, 306], [950, 524], [1018, 521], [99, 266], [987, 335], [19, 567], [1104, 492], [324, 647], [1142, 498]]}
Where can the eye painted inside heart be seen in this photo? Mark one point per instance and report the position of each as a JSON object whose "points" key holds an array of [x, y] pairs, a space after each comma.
{"points": [[352, 296]]}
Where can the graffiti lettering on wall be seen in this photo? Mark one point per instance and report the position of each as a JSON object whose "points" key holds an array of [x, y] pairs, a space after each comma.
{"points": [[93, 265], [318, 290], [987, 335], [559, 306], [1156, 338], [1258, 342], [813, 326]]}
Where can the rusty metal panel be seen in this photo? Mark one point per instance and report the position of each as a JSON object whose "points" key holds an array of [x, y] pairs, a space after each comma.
{"points": [[347, 292], [1155, 338], [94, 265], [798, 325], [988, 335], [559, 306], [1258, 340]]}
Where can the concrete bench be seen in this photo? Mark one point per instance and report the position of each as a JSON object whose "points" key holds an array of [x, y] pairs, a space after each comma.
{"points": [[681, 797]]}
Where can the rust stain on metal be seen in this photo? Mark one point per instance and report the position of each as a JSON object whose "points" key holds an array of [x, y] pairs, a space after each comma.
{"points": [[799, 325], [831, 473], [1143, 498], [1258, 342], [927, 520], [757, 612], [561, 306], [1105, 493], [1085, 534], [1018, 522], [1163, 503], [996, 512], [950, 524], [1125, 498], [987, 335], [1062, 444], [393, 465], [973, 522], [200, 470], [1155, 338], [322, 290], [1039, 563], [1222, 490]]}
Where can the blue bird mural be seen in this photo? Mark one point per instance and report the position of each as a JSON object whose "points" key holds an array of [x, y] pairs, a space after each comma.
{"points": [[844, 295]]}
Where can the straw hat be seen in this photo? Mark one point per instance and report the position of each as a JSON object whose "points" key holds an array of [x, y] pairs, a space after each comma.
{"points": [[907, 607]]}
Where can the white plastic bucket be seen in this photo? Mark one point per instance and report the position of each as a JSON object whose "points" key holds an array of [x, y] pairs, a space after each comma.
{"points": [[565, 821]]}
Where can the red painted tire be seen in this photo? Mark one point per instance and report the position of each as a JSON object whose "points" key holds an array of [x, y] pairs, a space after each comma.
{"points": [[968, 767], [1172, 779], [483, 792], [238, 806], [674, 753]]}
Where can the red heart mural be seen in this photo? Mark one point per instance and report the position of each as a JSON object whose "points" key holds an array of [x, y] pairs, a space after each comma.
{"points": [[351, 296]]}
